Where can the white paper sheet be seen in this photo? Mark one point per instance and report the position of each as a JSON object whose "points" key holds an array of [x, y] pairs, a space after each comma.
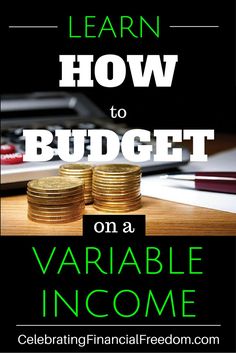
{"points": [[170, 190]]}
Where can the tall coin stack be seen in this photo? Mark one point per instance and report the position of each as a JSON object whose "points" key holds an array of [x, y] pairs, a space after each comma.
{"points": [[55, 199], [116, 187], [83, 172]]}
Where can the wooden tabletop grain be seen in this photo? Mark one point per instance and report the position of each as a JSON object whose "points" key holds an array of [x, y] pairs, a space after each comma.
{"points": [[162, 217]]}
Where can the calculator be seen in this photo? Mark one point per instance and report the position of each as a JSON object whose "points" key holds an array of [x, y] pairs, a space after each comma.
{"points": [[53, 111]]}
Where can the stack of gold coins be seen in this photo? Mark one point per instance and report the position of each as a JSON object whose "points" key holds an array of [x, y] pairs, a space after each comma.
{"points": [[116, 187], [83, 172], [55, 199]]}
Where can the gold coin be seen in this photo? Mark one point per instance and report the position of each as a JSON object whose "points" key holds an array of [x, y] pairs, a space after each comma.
{"points": [[111, 193], [115, 193], [116, 179], [58, 197], [116, 188], [56, 218], [85, 178], [116, 182], [76, 167], [117, 206], [54, 207], [76, 174], [67, 201], [109, 210], [77, 194], [117, 185], [117, 203], [53, 215], [117, 169], [55, 194], [60, 215], [49, 195], [56, 183], [116, 175], [54, 212], [59, 194], [54, 204], [112, 199], [116, 196], [54, 221]]}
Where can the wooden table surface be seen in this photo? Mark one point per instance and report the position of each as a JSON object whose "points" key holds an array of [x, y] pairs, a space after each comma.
{"points": [[162, 217]]}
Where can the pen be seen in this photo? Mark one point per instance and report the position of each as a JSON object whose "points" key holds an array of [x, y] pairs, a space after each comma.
{"points": [[210, 181]]}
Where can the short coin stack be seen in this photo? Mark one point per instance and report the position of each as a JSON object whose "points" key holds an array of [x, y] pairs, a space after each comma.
{"points": [[55, 199], [83, 172], [116, 188]]}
